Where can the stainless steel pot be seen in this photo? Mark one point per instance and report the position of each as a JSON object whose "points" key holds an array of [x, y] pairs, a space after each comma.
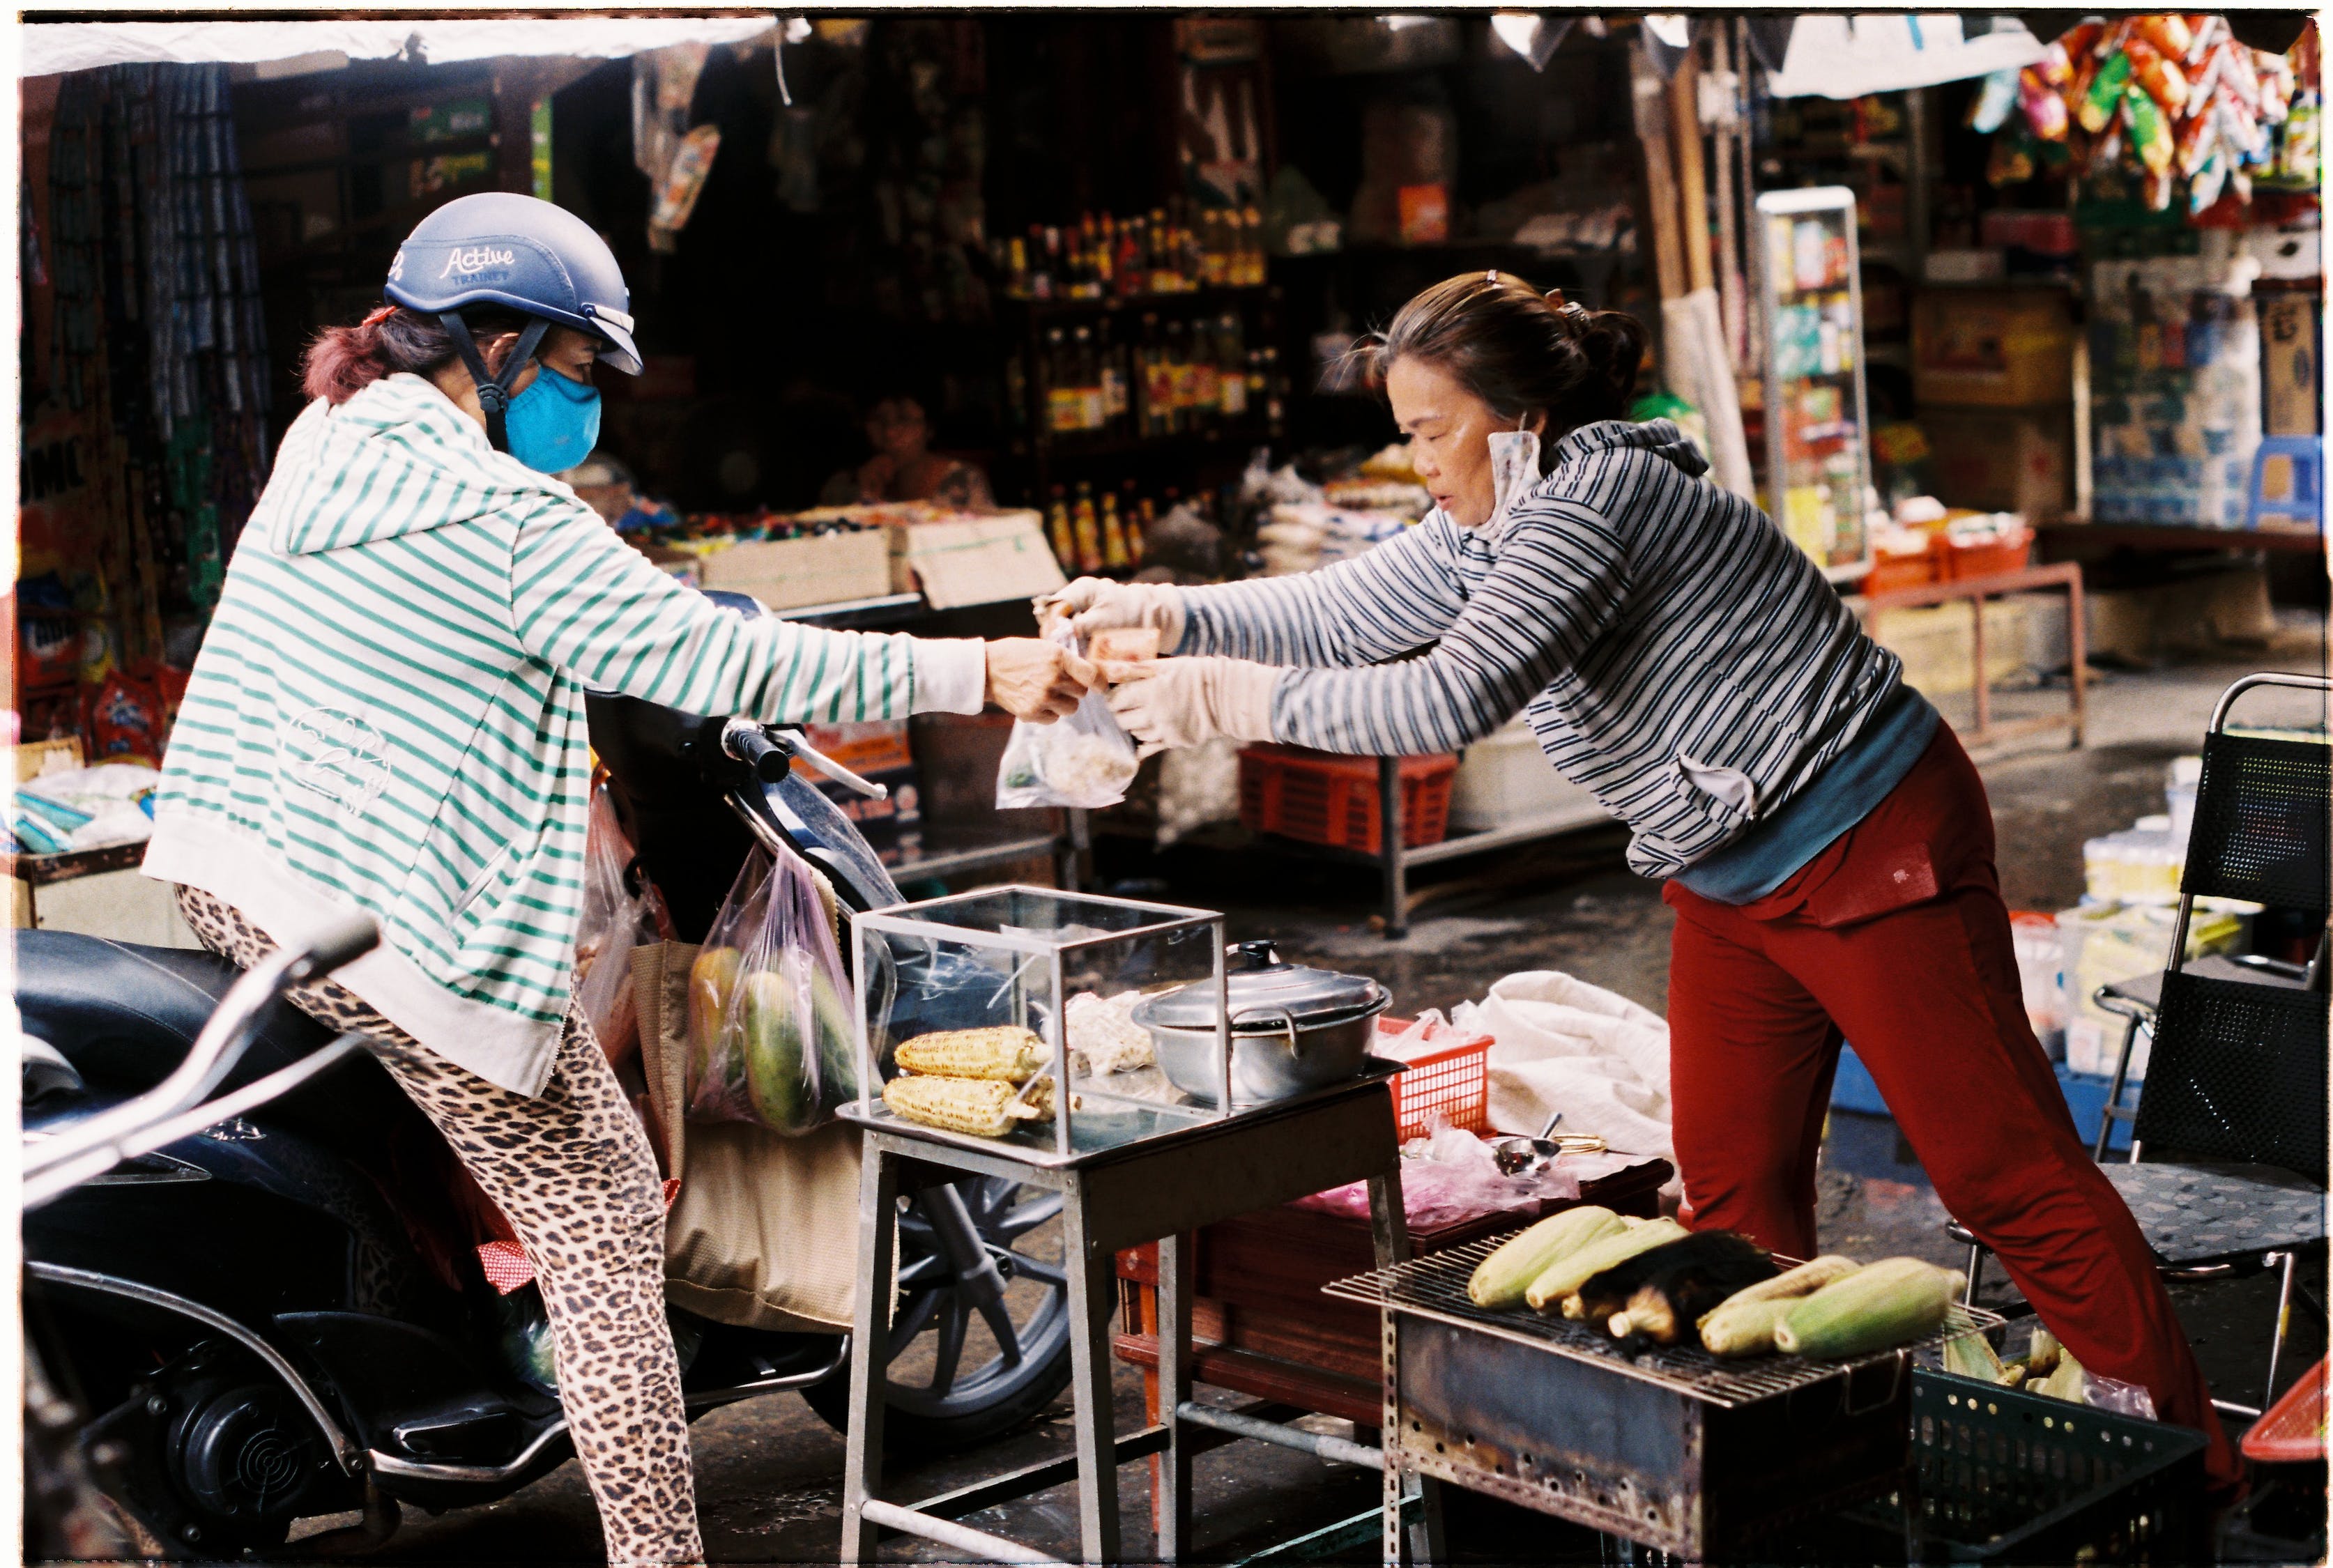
{"points": [[1293, 1029]]}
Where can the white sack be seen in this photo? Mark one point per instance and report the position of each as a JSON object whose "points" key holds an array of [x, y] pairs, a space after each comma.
{"points": [[1559, 1043]]}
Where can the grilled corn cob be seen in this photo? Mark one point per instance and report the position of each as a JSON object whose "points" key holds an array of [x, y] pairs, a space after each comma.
{"points": [[1804, 1280], [1500, 1279], [1891, 1302], [1568, 1273], [1005, 1053], [1740, 1327], [983, 1107]]}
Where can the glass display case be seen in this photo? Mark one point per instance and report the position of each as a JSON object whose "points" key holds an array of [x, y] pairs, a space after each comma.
{"points": [[1817, 430], [1020, 957]]}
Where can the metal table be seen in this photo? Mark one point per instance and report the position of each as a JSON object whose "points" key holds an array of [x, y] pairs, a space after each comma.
{"points": [[1135, 1174]]}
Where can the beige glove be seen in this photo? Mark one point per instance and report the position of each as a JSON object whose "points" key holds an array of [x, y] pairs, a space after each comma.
{"points": [[1169, 702], [1097, 605]]}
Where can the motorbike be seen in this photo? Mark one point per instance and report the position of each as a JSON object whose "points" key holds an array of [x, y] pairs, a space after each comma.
{"points": [[277, 1314]]}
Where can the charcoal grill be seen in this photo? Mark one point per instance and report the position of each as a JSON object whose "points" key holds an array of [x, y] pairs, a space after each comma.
{"points": [[1670, 1448]]}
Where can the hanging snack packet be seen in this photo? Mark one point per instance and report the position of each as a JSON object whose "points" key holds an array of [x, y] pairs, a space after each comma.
{"points": [[770, 1041], [1083, 760]]}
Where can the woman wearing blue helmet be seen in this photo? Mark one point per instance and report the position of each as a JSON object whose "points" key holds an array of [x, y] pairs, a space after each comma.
{"points": [[388, 715]]}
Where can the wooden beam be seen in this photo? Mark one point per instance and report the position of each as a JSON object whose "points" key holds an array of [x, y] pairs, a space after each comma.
{"points": [[1692, 184]]}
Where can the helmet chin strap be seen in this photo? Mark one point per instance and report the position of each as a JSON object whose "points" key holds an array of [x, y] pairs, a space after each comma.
{"points": [[494, 391]]}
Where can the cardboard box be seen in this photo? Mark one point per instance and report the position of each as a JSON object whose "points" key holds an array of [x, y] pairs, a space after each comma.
{"points": [[2021, 462], [2292, 346], [1977, 347], [974, 560], [818, 569]]}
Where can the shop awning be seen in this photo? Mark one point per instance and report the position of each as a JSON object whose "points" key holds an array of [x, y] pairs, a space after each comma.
{"points": [[1839, 56], [53, 46]]}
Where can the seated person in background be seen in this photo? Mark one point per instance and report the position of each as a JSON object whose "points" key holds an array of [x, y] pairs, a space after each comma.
{"points": [[904, 468]]}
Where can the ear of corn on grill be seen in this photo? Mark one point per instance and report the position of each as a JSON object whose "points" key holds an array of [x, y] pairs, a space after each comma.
{"points": [[1005, 1053], [1500, 1279], [1894, 1302], [983, 1107]]}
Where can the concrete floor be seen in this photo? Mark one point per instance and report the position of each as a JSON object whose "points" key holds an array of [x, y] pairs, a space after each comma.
{"points": [[769, 1472]]}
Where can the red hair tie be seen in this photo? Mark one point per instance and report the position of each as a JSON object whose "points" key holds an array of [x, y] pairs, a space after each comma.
{"points": [[378, 317]]}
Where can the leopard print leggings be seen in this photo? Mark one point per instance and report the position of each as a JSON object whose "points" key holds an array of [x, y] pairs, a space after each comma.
{"points": [[572, 1170]]}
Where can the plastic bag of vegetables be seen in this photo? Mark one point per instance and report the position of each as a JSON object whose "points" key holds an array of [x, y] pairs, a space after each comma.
{"points": [[770, 1038]]}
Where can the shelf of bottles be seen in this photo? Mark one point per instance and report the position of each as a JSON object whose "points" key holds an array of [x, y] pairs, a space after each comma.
{"points": [[1139, 330], [1818, 458]]}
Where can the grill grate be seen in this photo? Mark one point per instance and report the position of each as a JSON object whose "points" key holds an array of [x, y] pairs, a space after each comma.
{"points": [[1436, 1287]]}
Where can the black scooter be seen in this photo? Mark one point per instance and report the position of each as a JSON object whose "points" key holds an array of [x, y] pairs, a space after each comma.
{"points": [[279, 1316]]}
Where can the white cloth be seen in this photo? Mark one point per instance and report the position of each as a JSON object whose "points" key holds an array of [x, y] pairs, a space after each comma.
{"points": [[1559, 1043]]}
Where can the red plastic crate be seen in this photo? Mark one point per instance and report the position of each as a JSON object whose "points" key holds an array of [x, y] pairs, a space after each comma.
{"points": [[1890, 571], [1454, 1079], [1322, 798], [1983, 559], [2292, 1432]]}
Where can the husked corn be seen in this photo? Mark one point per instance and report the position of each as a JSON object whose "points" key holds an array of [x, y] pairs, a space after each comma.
{"points": [[1004, 1053], [983, 1107]]}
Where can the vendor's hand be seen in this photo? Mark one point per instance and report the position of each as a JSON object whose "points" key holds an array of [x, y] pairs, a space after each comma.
{"points": [[1099, 604], [1164, 702], [1035, 680]]}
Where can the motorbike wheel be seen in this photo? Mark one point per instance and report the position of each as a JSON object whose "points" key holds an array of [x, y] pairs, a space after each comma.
{"points": [[933, 1402]]}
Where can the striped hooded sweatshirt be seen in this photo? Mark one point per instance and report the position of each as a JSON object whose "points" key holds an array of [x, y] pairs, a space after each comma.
{"points": [[388, 712], [1672, 651]]}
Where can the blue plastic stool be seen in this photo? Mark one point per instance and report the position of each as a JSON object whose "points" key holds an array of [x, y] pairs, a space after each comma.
{"points": [[2288, 488]]}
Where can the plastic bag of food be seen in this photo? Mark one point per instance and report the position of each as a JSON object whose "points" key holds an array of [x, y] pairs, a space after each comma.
{"points": [[621, 909], [770, 1041], [1085, 760]]}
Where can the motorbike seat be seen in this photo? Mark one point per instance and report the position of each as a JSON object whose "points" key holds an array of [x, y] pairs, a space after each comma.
{"points": [[125, 1015]]}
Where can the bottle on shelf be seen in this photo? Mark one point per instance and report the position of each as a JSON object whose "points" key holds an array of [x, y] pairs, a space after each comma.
{"points": [[1134, 509], [1230, 359], [1088, 372], [1086, 529], [1206, 376], [1058, 532], [1116, 402], [1115, 555], [1063, 401]]}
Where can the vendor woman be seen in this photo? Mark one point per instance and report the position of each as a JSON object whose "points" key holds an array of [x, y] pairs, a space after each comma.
{"points": [[1824, 840]]}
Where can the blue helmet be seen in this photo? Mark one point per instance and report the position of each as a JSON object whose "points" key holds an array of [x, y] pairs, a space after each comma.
{"points": [[499, 248]]}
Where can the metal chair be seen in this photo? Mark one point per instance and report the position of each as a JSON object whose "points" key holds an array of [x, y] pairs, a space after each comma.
{"points": [[2235, 1088]]}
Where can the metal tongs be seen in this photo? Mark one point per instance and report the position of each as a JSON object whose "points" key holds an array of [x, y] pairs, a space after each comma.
{"points": [[1516, 1155]]}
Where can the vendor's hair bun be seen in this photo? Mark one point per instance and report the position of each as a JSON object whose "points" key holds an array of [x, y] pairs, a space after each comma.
{"points": [[1517, 349]]}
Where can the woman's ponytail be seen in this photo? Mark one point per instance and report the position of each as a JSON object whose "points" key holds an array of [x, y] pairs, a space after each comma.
{"points": [[342, 361]]}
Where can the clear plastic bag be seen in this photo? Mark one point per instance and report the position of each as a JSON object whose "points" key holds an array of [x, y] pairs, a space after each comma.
{"points": [[621, 909], [1083, 760], [1450, 1178], [770, 1035]]}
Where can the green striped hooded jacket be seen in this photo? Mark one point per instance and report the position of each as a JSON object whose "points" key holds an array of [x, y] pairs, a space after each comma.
{"points": [[388, 712]]}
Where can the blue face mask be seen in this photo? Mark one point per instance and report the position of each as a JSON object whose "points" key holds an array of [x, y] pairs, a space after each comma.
{"points": [[553, 425]]}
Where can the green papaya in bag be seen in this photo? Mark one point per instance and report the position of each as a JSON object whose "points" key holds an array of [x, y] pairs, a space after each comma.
{"points": [[781, 1084]]}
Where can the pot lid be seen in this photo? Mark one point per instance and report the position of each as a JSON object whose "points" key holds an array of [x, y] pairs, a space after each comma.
{"points": [[1260, 986]]}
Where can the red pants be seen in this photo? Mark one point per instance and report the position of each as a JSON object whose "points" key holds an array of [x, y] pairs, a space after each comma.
{"points": [[1896, 937]]}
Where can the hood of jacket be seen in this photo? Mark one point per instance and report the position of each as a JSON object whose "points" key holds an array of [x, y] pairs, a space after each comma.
{"points": [[398, 458], [1660, 437]]}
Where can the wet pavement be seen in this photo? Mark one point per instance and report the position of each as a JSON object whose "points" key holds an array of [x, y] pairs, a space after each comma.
{"points": [[769, 1472]]}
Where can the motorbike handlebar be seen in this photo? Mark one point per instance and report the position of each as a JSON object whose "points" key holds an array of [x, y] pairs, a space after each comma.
{"points": [[747, 743]]}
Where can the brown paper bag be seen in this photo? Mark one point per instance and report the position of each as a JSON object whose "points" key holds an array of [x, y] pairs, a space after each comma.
{"points": [[765, 1231]]}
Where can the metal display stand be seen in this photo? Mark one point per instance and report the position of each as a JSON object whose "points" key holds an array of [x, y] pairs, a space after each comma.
{"points": [[1129, 1170]]}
